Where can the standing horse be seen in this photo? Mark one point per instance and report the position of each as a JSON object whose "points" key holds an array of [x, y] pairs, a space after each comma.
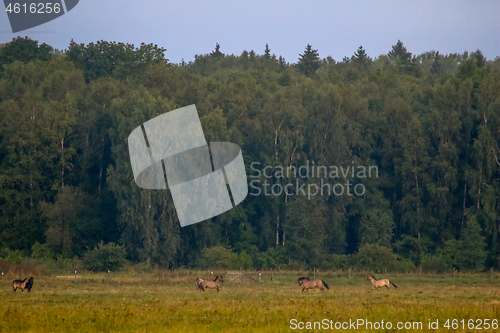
{"points": [[307, 284], [199, 284], [215, 284], [22, 284], [380, 283]]}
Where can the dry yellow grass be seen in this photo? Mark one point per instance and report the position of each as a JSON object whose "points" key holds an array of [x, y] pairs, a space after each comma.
{"points": [[142, 304]]}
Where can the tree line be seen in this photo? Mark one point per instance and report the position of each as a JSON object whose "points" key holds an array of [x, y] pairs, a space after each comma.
{"points": [[429, 122]]}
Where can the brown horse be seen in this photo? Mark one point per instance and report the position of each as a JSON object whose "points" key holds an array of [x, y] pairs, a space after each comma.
{"points": [[215, 284], [199, 284], [22, 284], [380, 283], [307, 284]]}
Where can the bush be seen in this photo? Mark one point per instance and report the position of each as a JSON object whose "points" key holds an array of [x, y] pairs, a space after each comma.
{"points": [[105, 257], [41, 251], [435, 264], [13, 257], [265, 261], [377, 258], [216, 257], [295, 265], [243, 260], [274, 257], [335, 262]]}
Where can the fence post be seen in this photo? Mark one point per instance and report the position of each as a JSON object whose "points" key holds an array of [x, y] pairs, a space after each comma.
{"points": [[491, 273], [314, 272], [385, 268], [420, 272], [349, 273]]}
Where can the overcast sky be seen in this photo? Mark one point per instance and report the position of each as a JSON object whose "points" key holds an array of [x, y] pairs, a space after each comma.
{"points": [[335, 28]]}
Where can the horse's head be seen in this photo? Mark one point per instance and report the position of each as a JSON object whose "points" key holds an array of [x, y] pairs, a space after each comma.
{"points": [[302, 279], [370, 277]]}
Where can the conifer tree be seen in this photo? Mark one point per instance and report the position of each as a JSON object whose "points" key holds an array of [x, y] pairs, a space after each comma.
{"points": [[361, 58], [267, 52], [309, 61]]}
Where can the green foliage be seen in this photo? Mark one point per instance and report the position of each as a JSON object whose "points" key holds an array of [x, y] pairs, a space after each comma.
{"points": [[429, 123], [471, 249], [412, 248], [105, 257], [12, 256], [71, 222], [117, 59], [41, 251], [25, 50], [218, 257], [379, 258], [335, 262], [361, 58], [309, 61], [244, 261]]}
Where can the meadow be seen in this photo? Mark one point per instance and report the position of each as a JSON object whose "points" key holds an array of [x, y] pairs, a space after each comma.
{"points": [[169, 302]]}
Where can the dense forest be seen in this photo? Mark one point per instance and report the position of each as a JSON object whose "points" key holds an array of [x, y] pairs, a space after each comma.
{"points": [[430, 123]]}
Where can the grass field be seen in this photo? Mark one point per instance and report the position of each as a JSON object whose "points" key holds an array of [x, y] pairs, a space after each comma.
{"points": [[95, 303]]}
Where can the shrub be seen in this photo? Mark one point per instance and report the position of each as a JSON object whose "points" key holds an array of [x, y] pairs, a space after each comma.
{"points": [[375, 257], [335, 262], [265, 261], [295, 265], [243, 260], [105, 257], [41, 251], [216, 257], [12, 256], [435, 264]]}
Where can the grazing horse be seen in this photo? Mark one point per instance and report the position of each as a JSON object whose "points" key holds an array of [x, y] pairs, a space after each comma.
{"points": [[22, 284], [307, 284], [215, 284], [380, 283]]}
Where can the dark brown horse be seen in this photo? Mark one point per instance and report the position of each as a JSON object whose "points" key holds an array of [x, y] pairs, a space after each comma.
{"points": [[215, 284], [307, 284], [380, 283]]}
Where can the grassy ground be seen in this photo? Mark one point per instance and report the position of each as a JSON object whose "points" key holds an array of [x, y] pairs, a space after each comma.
{"points": [[94, 303]]}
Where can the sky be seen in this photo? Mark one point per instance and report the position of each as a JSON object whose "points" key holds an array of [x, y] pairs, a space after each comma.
{"points": [[334, 28]]}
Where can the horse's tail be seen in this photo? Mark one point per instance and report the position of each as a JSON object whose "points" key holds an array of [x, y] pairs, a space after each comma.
{"points": [[326, 285], [393, 284]]}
